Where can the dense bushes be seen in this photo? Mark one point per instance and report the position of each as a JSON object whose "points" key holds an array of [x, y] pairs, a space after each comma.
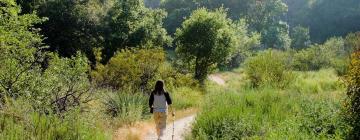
{"points": [[330, 54], [137, 70], [130, 69], [269, 68], [42, 95], [353, 96], [20, 51]]}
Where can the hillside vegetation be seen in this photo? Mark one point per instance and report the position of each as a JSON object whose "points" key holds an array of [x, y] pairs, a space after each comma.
{"points": [[81, 69]]}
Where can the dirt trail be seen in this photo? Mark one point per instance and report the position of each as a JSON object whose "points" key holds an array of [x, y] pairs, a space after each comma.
{"points": [[182, 126], [217, 79], [146, 131]]}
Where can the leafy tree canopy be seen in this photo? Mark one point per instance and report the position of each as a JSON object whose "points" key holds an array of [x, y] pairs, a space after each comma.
{"points": [[205, 39]]}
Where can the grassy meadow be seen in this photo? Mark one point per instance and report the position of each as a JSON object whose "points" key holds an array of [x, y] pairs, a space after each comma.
{"points": [[310, 108]]}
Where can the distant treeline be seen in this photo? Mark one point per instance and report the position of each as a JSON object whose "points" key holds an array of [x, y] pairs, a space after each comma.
{"points": [[324, 18]]}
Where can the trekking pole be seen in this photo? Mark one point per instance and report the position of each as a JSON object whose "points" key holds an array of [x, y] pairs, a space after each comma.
{"points": [[173, 131]]}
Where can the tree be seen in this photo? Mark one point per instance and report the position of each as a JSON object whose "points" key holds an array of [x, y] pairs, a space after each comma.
{"points": [[300, 38], [265, 17], [130, 24], [325, 18], [21, 50], [247, 44], [205, 39], [73, 25], [177, 11], [236, 8], [60, 84]]}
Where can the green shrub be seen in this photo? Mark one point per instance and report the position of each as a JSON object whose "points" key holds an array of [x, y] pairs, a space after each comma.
{"points": [[65, 83], [320, 117], [269, 68], [333, 53], [352, 102], [174, 79], [20, 50], [309, 59], [130, 69]]}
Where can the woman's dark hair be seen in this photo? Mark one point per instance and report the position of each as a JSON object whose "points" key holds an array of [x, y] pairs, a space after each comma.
{"points": [[159, 87]]}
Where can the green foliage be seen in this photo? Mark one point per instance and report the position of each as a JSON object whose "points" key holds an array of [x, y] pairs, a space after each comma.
{"points": [[65, 83], [352, 105], [269, 68], [177, 11], [247, 43], [175, 79], [330, 54], [205, 40], [186, 97], [110, 24], [352, 42], [20, 45], [134, 69], [324, 80], [20, 122], [40, 92], [265, 17], [300, 38], [325, 19], [72, 26], [276, 36], [130, 24]]}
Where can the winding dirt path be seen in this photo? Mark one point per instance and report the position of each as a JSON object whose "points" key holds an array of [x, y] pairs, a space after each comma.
{"points": [[181, 127], [146, 131]]}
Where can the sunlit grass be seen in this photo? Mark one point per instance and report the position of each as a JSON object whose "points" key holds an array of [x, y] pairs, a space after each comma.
{"points": [[298, 112]]}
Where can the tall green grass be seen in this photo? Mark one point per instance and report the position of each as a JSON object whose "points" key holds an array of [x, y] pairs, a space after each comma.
{"points": [[325, 80], [126, 108], [19, 122], [271, 113], [186, 97]]}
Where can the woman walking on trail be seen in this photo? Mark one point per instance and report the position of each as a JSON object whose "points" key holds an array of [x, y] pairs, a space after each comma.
{"points": [[159, 102]]}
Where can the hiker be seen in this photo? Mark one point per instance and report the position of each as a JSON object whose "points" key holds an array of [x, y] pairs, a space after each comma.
{"points": [[159, 102]]}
